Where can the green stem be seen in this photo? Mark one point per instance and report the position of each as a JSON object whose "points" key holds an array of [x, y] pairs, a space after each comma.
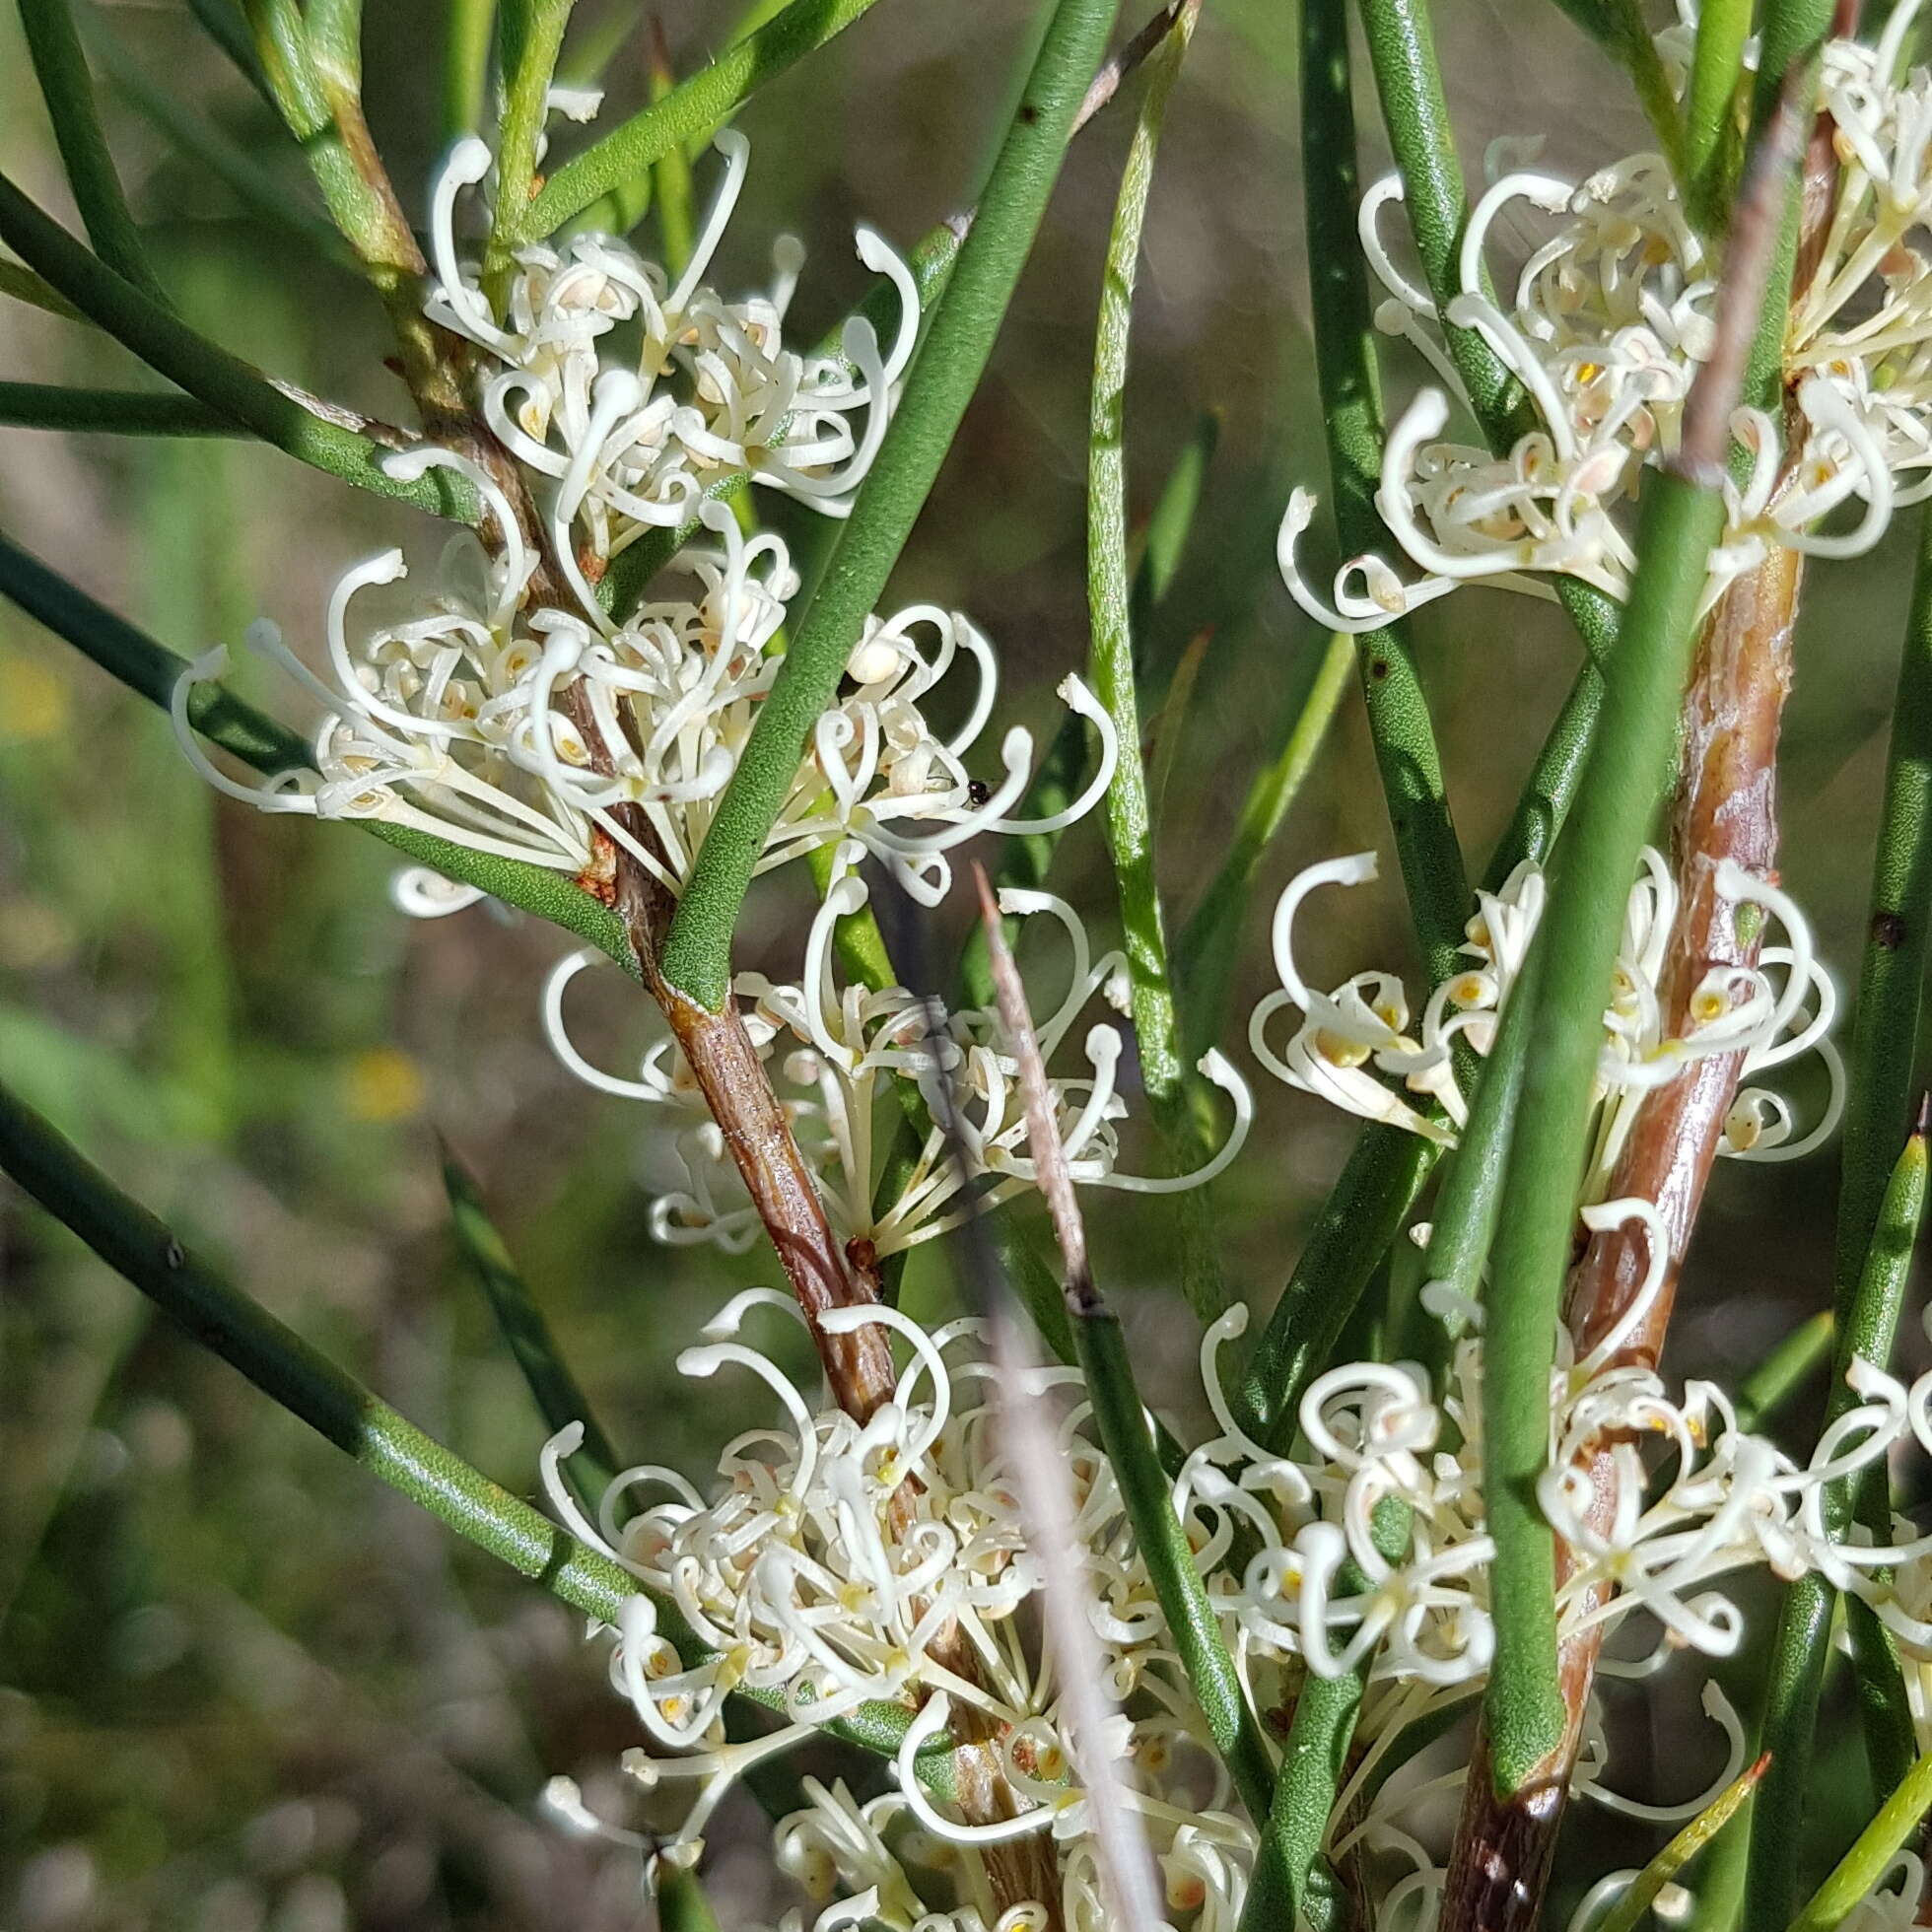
{"points": [[152, 669], [1148, 1494], [221, 381], [697, 955], [1128, 817], [116, 412], [304, 1381], [1208, 947], [706, 100], [559, 1395], [67, 88], [1576, 941]]}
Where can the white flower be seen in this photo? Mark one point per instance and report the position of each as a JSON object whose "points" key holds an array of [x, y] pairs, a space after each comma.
{"points": [[833, 1054], [711, 390], [1357, 1047], [1607, 322]]}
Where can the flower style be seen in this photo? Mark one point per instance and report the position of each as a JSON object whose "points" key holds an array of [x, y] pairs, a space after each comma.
{"points": [[1356, 1048], [1608, 322], [833, 1052]]}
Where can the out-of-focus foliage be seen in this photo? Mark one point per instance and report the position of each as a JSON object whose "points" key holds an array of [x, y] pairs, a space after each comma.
{"points": [[240, 1688]]}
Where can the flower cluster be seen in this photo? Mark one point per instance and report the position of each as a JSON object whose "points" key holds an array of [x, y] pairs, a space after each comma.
{"points": [[1357, 1047], [836, 1564], [523, 728], [1609, 320], [834, 1052], [705, 388]]}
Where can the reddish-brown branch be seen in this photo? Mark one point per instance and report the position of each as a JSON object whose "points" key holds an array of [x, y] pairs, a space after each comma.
{"points": [[1726, 809]]}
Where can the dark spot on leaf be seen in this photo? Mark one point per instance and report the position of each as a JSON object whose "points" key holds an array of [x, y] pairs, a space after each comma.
{"points": [[1887, 930], [1378, 667], [1028, 112]]}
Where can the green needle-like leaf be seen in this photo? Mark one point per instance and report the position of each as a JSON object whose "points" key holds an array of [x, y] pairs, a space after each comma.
{"points": [[1628, 1914], [1149, 1493], [152, 669], [1576, 943], [560, 1397], [1128, 817], [1867, 1862], [295, 1374], [60, 66], [1399, 720], [697, 955], [114, 412], [469, 28], [290, 1371], [1866, 1331], [1293, 1884], [221, 381], [1208, 949], [531, 60], [706, 100]]}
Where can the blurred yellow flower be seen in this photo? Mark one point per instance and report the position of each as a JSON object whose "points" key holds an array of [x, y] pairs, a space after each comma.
{"points": [[384, 1083]]}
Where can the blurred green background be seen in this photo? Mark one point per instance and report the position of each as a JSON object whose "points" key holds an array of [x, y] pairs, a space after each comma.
{"points": [[241, 1687]]}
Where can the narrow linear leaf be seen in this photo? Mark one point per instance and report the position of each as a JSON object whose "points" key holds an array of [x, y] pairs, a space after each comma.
{"points": [[1293, 1884], [114, 412], [60, 66], [1866, 1332], [697, 951], [152, 670], [292, 1373], [1128, 817], [559, 1395], [1867, 1862], [704, 101], [1628, 1914], [206, 371]]}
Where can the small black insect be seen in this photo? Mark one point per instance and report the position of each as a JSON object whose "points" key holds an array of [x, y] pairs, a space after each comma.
{"points": [[978, 793]]}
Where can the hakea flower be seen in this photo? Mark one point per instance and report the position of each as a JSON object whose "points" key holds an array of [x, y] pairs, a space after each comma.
{"points": [[1359, 1047], [1609, 322], [521, 734], [833, 1054], [832, 1564], [822, 1570], [635, 391]]}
